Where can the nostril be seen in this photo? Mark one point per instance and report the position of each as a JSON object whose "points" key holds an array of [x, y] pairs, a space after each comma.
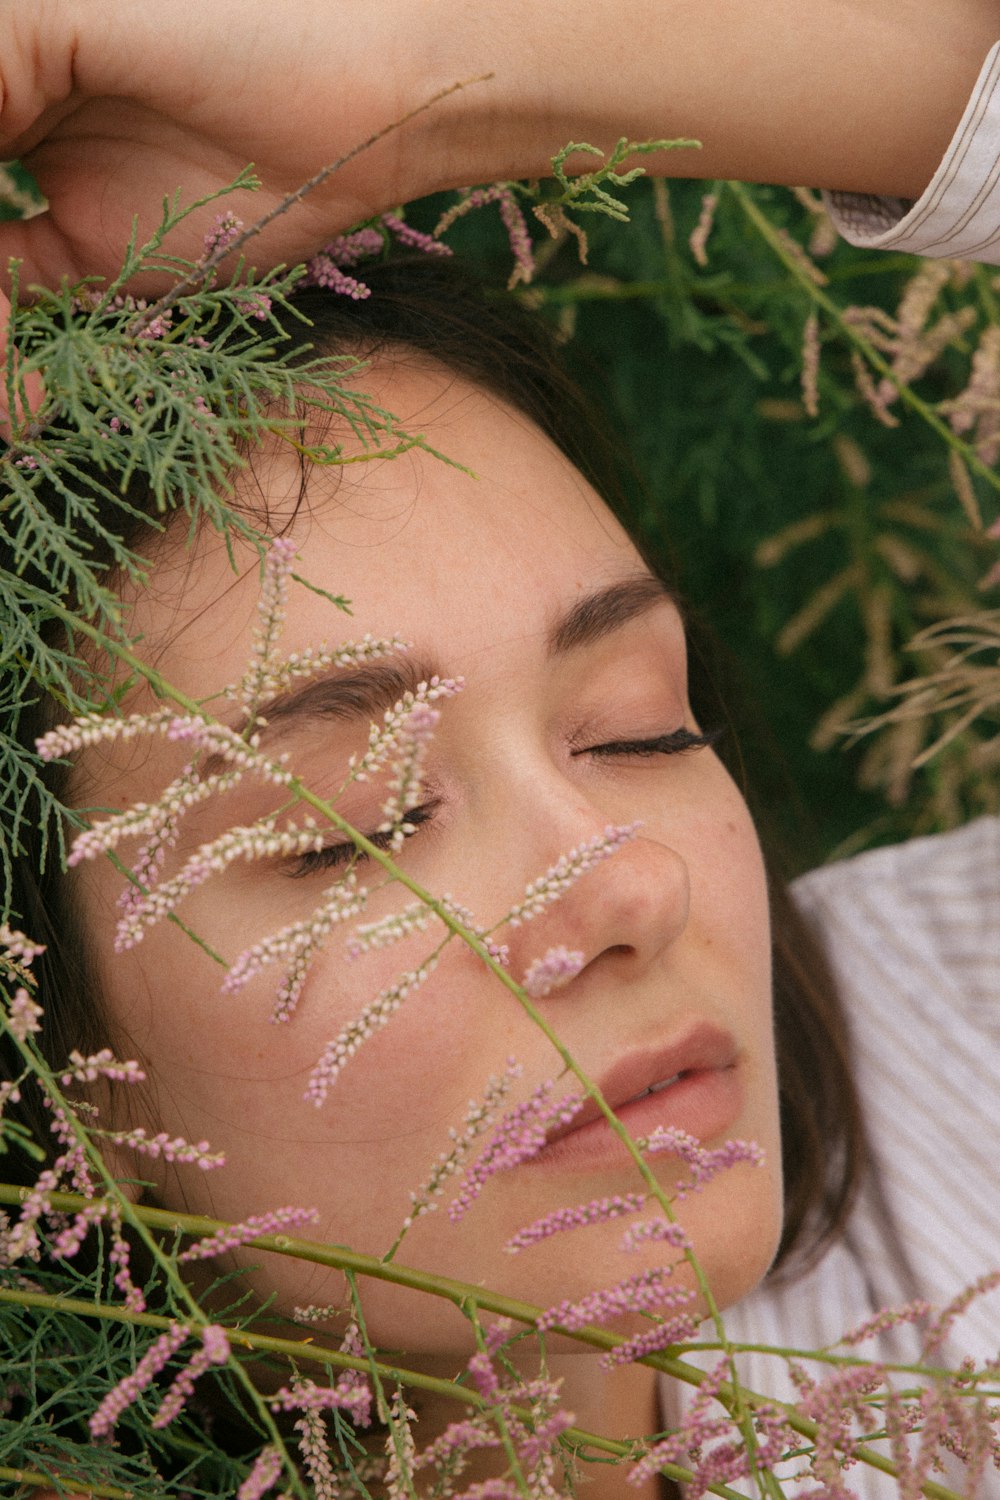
{"points": [[625, 948]]}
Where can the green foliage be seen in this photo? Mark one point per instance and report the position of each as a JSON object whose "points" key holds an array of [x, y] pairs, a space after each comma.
{"points": [[162, 400], [20, 196]]}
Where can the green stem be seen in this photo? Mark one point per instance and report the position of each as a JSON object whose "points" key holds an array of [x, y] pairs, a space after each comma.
{"points": [[854, 336], [458, 1292]]}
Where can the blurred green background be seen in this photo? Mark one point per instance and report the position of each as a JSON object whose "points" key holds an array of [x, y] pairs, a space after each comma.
{"points": [[814, 547]]}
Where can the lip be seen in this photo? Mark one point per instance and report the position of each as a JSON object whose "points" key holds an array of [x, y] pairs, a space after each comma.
{"points": [[703, 1096]]}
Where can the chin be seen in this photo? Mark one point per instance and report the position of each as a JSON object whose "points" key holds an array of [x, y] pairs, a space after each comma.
{"points": [[737, 1239]]}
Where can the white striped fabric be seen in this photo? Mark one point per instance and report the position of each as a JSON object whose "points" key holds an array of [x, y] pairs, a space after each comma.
{"points": [[914, 936], [959, 214]]}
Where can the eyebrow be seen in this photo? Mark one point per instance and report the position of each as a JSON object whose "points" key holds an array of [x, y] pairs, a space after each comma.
{"points": [[368, 691], [606, 610]]}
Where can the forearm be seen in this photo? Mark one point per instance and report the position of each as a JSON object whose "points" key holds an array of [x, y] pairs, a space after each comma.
{"points": [[855, 94]]}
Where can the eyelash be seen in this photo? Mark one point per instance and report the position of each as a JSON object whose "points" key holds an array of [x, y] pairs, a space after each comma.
{"points": [[334, 855], [677, 742]]}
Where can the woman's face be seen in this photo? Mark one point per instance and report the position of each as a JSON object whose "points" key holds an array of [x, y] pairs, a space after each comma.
{"points": [[520, 581]]}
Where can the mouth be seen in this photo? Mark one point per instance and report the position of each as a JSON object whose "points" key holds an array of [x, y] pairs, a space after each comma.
{"points": [[693, 1083], [654, 1088]]}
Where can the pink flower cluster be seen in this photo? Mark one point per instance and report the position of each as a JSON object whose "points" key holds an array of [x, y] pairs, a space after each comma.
{"points": [[704, 1163], [353, 1396], [263, 1476], [251, 1228], [413, 739], [129, 1389], [177, 1149], [413, 239], [384, 738], [513, 221], [519, 1136], [644, 1292], [102, 1064], [328, 267], [296, 945], [24, 1015], [222, 234], [16, 946], [478, 1118], [392, 929], [534, 1441], [214, 1351], [714, 1447], [597, 1211], [550, 972]]}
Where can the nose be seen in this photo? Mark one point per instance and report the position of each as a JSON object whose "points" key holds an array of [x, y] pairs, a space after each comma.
{"points": [[610, 896]]}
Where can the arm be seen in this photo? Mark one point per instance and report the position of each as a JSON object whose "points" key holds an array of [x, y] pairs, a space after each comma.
{"points": [[112, 113]]}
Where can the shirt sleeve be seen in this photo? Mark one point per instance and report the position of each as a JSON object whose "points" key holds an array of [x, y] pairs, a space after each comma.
{"points": [[959, 214]]}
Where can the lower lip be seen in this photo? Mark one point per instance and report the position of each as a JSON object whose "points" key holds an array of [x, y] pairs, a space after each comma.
{"points": [[704, 1102]]}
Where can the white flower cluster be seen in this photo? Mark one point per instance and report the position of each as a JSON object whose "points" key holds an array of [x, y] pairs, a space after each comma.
{"points": [[374, 1016], [568, 868], [384, 738], [296, 945]]}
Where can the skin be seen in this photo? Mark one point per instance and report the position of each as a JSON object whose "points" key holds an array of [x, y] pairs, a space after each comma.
{"points": [[673, 928]]}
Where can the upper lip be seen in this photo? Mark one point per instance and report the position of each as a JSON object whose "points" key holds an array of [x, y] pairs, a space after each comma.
{"points": [[702, 1047]]}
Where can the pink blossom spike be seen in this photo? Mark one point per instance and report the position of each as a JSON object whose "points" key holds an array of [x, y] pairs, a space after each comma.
{"points": [[374, 1016], [214, 1351], [222, 234], [315, 1449], [15, 945], [262, 1477], [886, 1318], [24, 1015], [101, 1064], [661, 1230], [558, 878], [597, 1211], [321, 271], [649, 1290], [652, 1340], [348, 249], [277, 1221], [132, 1386], [704, 1163], [519, 1136], [414, 239]]}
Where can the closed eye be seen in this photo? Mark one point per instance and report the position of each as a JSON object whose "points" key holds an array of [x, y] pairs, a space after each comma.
{"points": [[677, 742], [333, 856]]}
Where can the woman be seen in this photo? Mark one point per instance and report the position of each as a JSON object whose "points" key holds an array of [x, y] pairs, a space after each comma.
{"points": [[574, 716]]}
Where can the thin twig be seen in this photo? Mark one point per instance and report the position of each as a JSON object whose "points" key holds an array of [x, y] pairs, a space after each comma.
{"points": [[198, 275]]}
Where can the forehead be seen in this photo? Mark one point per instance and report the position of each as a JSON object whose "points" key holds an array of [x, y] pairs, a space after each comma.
{"points": [[453, 556]]}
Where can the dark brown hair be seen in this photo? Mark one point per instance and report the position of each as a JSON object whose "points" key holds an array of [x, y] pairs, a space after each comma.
{"points": [[434, 309]]}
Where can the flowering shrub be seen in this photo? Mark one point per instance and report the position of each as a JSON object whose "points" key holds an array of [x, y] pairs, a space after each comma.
{"points": [[117, 1349]]}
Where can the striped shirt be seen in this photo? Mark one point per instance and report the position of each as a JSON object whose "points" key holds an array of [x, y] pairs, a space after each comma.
{"points": [[959, 214], [913, 933]]}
